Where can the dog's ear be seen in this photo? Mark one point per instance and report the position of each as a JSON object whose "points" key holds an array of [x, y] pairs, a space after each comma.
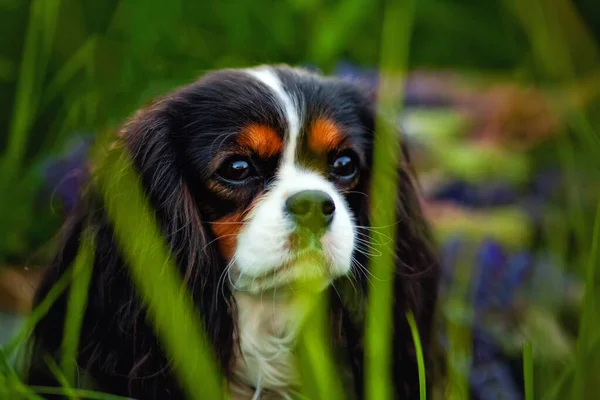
{"points": [[154, 146], [416, 276], [125, 349], [157, 155], [416, 281]]}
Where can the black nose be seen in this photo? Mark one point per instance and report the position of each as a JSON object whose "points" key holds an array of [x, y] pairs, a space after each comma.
{"points": [[312, 209]]}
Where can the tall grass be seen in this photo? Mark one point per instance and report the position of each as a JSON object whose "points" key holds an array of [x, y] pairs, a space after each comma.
{"points": [[397, 29], [82, 274], [420, 359]]}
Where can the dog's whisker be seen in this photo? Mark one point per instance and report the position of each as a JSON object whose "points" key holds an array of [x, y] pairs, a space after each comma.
{"points": [[366, 270], [354, 192], [221, 281], [369, 236], [369, 255], [369, 245], [336, 291], [374, 228], [353, 281], [359, 270]]}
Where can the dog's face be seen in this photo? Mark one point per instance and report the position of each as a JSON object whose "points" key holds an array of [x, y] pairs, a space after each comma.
{"points": [[272, 156]]}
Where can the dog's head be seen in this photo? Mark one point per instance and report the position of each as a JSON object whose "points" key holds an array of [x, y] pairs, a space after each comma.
{"points": [[276, 162]]}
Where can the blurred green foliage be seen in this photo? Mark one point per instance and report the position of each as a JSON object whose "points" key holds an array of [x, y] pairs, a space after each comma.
{"points": [[72, 65], [68, 65], [97, 61]]}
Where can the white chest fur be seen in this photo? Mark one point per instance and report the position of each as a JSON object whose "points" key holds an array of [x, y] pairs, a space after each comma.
{"points": [[267, 332]]}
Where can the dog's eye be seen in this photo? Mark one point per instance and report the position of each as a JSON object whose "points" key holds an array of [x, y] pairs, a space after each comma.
{"points": [[344, 166], [235, 169]]}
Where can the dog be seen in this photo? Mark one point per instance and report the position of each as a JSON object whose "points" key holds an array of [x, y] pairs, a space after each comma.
{"points": [[259, 179]]}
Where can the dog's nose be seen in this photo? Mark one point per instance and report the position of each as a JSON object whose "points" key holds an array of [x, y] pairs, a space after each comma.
{"points": [[311, 209]]}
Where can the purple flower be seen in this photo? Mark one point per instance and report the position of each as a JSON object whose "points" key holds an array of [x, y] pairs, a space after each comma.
{"points": [[350, 72], [498, 275], [65, 176], [420, 90], [490, 265], [545, 183], [450, 254], [476, 196], [493, 381]]}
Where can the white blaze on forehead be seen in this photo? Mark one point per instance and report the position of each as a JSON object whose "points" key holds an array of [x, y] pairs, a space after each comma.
{"points": [[289, 106]]}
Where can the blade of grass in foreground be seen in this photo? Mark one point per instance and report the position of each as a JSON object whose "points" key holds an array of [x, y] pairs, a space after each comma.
{"points": [[16, 390], [10, 385], [76, 305], [37, 47], [37, 314], [60, 377], [319, 375], [80, 393], [5, 368], [561, 387], [420, 360], [153, 271], [397, 26]]}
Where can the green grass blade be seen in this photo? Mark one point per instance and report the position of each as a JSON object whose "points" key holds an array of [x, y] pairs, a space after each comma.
{"points": [[10, 385], [397, 26], [79, 61], [26, 96], [170, 306], [76, 305], [5, 369], [60, 377], [80, 393], [319, 375], [49, 12], [36, 315], [420, 359], [18, 391]]}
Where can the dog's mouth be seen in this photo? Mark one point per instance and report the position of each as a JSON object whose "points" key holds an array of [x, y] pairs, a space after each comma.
{"points": [[307, 271]]}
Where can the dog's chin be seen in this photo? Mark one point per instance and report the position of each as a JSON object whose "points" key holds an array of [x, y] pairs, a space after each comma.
{"points": [[307, 272]]}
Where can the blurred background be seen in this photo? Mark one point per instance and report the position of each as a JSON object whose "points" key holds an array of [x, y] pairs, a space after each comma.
{"points": [[500, 113]]}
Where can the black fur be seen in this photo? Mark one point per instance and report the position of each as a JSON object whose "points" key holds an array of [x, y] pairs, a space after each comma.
{"points": [[174, 144]]}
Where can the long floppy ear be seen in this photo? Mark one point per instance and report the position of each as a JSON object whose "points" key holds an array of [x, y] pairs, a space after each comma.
{"points": [[158, 156], [415, 285], [118, 346]]}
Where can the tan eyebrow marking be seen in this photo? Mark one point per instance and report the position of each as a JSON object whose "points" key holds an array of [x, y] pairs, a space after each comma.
{"points": [[261, 139], [324, 136]]}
